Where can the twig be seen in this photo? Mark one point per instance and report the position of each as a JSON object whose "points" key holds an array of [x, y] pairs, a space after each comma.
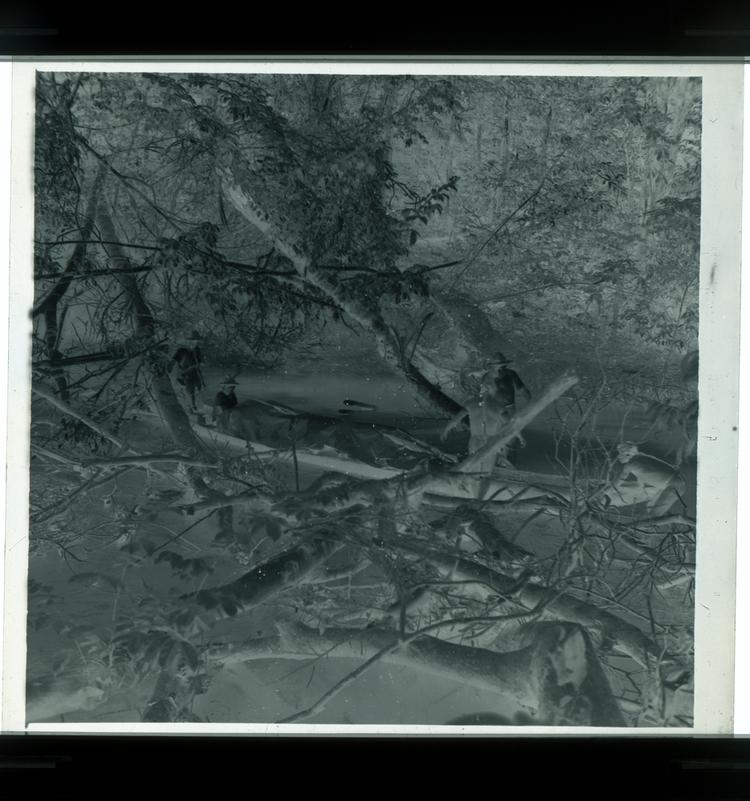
{"points": [[46, 393], [418, 335], [183, 532], [50, 512], [496, 231], [55, 457], [296, 465], [518, 423]]}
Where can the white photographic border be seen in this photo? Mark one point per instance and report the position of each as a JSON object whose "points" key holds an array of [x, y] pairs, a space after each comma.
{"points": [[722, 85]]}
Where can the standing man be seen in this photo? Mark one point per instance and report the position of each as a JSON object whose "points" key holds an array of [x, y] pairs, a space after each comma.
{"points": [[224, 402], [188, 360], [507, 382], [487, 416]]}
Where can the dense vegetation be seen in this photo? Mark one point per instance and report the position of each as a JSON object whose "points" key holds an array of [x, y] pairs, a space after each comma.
{"points": [[407, 226]]}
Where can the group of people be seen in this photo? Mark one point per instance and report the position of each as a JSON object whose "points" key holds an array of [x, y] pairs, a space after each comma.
{"points": [[188, 360], [488, 412], [640, 477]]}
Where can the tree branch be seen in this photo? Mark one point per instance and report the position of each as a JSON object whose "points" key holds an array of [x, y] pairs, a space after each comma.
{"points": [[389, 347], [505, 673], [51, 397], [148, 459], [49, 303], [48, 306], [397, 643], [50, 512], [497, 230], [558, 605], [493, 446], [171, 411], [267, 579]]}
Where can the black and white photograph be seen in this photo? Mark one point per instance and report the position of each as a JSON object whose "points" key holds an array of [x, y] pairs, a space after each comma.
{"points": [[372, 398]]}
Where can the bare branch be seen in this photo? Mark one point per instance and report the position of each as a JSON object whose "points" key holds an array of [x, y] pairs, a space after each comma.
{"points": [[44, 392], [398, 643], [148, 459], [519, 422], [390, 349], [50, 512], [50, 301], [497, 230], [507, 673]]}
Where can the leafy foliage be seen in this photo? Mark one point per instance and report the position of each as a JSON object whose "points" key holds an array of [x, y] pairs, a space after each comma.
{"points": [[559, 217]]}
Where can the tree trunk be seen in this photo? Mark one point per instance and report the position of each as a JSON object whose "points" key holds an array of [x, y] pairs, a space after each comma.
{"points": [[388, 344], [49, 305], [535, 676], [505, 673], [169, 407], [267, 579], [556, 605]]}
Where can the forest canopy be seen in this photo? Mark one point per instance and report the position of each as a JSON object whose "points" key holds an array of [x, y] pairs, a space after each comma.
{"points": [[572, 204]]}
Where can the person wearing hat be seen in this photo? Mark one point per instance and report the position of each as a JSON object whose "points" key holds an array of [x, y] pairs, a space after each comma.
{"points": [[507, 382], [224, 402], [487, 417], [188, 359]]}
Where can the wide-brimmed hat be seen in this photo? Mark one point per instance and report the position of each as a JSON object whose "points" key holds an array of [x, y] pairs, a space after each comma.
{"points": [[498, 357], [229, 381]]}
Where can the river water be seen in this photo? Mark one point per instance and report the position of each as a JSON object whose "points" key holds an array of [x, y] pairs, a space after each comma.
{"points": [[397, 404], [397, 401]]}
